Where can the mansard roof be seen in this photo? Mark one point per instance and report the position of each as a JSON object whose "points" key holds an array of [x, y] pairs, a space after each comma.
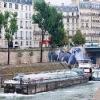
{"points": [[19, 1], [89, 5], [69, 8]]}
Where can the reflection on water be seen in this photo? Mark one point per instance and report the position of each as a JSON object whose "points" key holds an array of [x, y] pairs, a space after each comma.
{"points": [[79, 92]]}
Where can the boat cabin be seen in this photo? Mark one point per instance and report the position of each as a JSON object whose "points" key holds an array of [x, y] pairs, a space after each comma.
{"points": [[86, 65]]}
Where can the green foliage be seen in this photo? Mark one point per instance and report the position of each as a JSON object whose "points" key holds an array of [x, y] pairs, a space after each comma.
{"points": [[31, 53], [20, 53], [0, 63], [48, 19], [78, 38], [65, 41], [10, 25], [1, 21], [53, 46], [52, 52], [42, 49]]}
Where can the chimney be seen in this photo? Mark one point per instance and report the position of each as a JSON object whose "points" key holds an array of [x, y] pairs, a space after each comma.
{"points": [[62, 4], [49, 3]]}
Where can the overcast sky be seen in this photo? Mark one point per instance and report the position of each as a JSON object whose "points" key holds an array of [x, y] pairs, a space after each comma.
{"points": [[59, 2]]}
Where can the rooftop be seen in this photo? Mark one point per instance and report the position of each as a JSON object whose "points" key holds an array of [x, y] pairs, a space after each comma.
{"points": [[69, 8], [89, 5]]}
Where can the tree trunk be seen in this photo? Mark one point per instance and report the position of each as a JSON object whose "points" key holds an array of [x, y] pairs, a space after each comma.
{"points": [[41, 48], [8, 54]]}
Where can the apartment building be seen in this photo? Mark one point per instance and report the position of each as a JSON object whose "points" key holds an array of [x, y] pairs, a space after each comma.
{"points": [[71, 18], [90, 19], [83, 15], [24, 36]]}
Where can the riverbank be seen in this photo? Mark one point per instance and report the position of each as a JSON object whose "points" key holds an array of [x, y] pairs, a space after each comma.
{"points": [[31, 68]]}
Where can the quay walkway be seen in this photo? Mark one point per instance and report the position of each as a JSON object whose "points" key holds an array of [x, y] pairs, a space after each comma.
{"points": [[97, 95]]}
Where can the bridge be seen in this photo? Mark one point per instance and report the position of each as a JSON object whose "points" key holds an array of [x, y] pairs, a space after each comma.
{"points": [[93, 50]]}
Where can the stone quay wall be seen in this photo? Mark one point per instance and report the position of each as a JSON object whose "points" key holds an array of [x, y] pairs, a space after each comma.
{"points": [[26, 58]]}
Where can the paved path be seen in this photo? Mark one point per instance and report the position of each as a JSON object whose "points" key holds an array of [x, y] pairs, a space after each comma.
{"points": [[97, 95]]}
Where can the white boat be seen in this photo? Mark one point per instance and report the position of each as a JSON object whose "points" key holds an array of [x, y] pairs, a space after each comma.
{"points": [[86, 65]]}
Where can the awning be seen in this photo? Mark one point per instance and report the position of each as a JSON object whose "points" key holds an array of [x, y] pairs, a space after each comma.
{"points": [[45, 41]]}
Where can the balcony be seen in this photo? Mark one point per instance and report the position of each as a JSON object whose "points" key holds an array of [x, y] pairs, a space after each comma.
{"points": [[72, 16], [26, 27], [21, 26], [82, 20], [86, 20], [21, 37], [87, 26]]}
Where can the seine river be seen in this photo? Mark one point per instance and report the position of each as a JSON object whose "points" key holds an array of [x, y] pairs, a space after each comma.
{"points": [[79, 92]]}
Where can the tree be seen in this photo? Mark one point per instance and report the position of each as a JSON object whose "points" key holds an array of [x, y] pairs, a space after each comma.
{"points": [[56, 27], [78, 38], [31, 53], [1, 21], [64, 41], [10, 26], [48, 19], [20, 54]]}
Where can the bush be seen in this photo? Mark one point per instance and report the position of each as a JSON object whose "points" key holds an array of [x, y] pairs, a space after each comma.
{"points": [[0, 63]]}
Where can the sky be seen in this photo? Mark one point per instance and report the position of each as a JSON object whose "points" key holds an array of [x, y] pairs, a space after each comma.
{"points": [[59, 2]]}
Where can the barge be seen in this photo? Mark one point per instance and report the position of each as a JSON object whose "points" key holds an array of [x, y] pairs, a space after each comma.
{"points": [[42, 82]]}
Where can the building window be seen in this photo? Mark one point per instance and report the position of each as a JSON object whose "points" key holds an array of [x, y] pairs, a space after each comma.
{"points": [[82, 25], [21, 7], [21, 43], [21, 34], [73, 26], [72, 33], [26, 16], [76, 26], [67, 26], [30, 35], [5, 4], [21, 24], [26, 8], [73, 20], [67, 33], [15, 35], [26, 35], [67, 20], [86, 32], [86, 24], [29, 15], [16, 6], [10, 5], [34, 29], [76, 20], [67, 14], [26, 25], [30, 42], [27, 43], [29, 8], [0, 4], [72, 14]]}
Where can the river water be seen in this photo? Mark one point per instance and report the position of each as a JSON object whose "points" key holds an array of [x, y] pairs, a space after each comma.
{"points": [[79, 92]]}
